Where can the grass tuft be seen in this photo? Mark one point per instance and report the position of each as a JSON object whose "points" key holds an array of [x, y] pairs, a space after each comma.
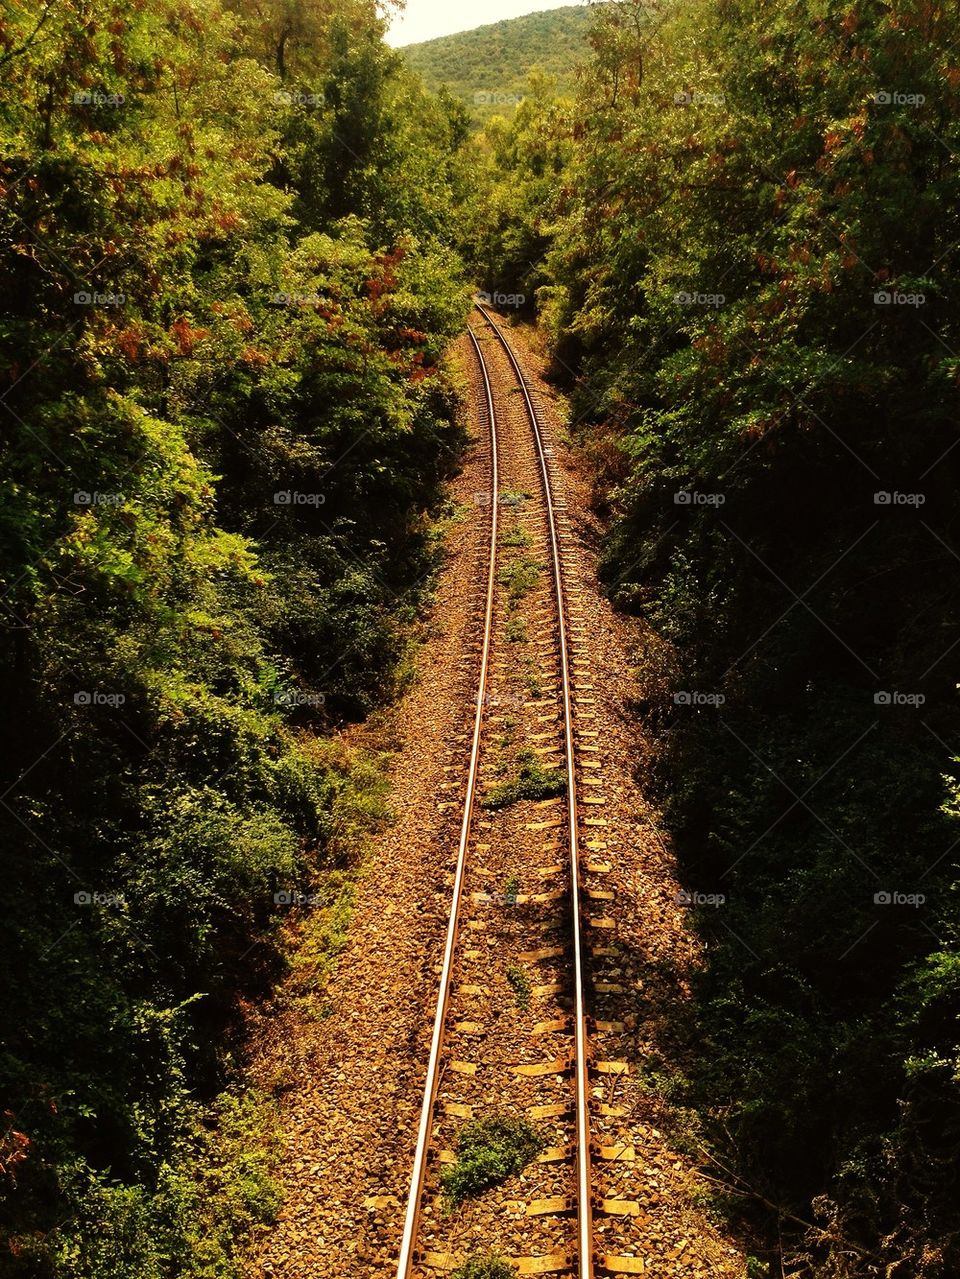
{"points": [[519, 984], [532, 782], [488, 1152], [489, 1267], [515, 536], [518, 577]]}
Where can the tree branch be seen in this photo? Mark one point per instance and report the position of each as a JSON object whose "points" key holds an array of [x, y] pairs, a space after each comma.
{"points": [[15, 53]]}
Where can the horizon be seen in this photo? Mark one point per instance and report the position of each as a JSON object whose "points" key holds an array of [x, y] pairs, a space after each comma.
{"points": [[424, 20]]}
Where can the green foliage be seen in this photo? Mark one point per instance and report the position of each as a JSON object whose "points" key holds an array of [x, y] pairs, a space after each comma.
{"points": [[518, 576], [489, 1151], [487, 68], [227, 419], [519, 172], [737, 184], [534, 677], [488, 1267], [513, 497], [520, 985], [216, 1187], [516, 629], [515, 536], [533, 781]]}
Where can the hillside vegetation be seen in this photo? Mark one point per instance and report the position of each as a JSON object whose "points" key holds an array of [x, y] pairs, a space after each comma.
{"points": [[487, 69], [741, 242]]}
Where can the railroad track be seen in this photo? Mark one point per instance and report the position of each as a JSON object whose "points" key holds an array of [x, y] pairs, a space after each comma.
{"points": [[511, 1033]]}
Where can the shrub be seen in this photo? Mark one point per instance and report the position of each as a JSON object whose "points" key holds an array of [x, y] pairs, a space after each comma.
{"points": [[488, 1152], [532, 782]]}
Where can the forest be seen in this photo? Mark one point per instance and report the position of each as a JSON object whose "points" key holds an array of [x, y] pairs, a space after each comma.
{"points": [[237, 242], [740, 238], [228, 288], [488, 68]]}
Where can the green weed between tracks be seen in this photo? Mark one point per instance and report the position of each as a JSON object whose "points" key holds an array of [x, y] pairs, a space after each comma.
{"points": [[533, 781], [515, 536], [489, 1151], [520, 985], [490, 1267], [516, 630], [518, 577]]}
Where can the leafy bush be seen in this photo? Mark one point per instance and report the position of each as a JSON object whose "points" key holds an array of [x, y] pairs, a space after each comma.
{"points": [[489, 1151], [533, 781]]}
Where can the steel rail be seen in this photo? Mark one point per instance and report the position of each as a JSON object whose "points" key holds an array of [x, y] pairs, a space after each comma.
{"points": [[585, 1253], [431, 1085]]}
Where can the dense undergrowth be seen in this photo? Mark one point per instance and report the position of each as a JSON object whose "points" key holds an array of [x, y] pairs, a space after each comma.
{"points": [[224, 419], [746, 264]]}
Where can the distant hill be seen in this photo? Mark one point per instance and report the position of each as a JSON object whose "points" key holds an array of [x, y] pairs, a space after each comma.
{"points": [[487, 68]]}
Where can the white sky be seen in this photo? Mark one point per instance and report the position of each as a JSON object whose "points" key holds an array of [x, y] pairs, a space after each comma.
{"points": [[424, 19]]}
